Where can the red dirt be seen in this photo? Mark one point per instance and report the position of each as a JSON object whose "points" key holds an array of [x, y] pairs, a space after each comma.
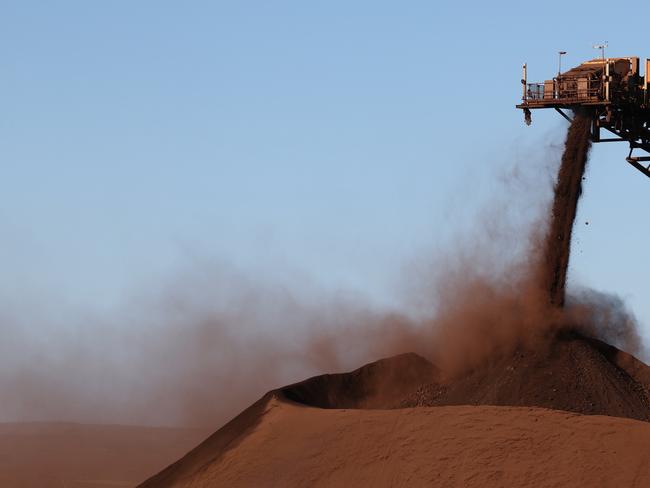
{"points": [[44, 455], [279, 442], [376, 385], [480, 447], [572, 373]]}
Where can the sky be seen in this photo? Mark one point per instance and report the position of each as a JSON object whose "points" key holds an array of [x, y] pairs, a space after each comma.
{"points": [[333, 140]]}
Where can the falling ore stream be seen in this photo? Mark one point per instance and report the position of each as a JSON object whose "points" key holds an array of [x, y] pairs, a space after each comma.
{"points": [[568, 188]]}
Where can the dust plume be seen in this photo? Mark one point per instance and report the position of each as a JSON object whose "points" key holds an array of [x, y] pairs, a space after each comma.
{"points": [[192, 352], [213, 339], [606, 317], [505, 288]]}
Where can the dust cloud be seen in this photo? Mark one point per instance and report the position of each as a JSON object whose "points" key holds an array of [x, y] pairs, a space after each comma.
{"points": [[213, 339], [192, 353]]}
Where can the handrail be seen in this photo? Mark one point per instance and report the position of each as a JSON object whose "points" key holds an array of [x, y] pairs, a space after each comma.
{"points": [[560, 89]]}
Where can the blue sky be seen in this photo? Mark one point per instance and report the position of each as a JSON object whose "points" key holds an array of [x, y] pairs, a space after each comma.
{"points": [[332, 138]]}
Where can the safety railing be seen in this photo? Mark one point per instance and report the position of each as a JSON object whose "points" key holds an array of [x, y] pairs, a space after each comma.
{"points": [[565, 89], [535, 91]]}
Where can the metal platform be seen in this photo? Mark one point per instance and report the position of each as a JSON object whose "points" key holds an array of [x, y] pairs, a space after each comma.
{"points": [[611, 90]]}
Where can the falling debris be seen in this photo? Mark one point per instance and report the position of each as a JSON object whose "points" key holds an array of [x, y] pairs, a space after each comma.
{"points": [[568, 189]]}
